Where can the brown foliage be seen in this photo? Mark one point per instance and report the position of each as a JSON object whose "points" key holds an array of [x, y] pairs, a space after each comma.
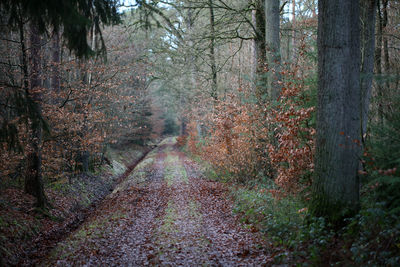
{"points": [[248, 139], [181, 140], [95, 104]]}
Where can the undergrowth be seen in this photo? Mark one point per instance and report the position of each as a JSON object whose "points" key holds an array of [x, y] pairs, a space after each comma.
{"points": [[278, 208], [371, 238], [21, 222]]}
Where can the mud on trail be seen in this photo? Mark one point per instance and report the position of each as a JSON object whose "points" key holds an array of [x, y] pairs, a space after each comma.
{"points": [[163, 213]]}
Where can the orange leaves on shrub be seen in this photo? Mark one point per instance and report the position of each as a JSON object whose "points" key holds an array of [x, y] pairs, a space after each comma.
{"points": [[192, 139], [248, 139], [181, 140], [234, 142], [292, 157]]}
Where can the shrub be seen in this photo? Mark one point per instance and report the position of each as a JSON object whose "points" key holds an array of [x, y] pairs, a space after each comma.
{"points": [[252, 140], [382, 160]]}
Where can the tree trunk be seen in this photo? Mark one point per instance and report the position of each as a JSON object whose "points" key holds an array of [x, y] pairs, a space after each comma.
{"points": [[183, 127], [33, 177], [368, 17], [24, 57], [273, 45], [254, 60], [55, 56], [378, 61], [385, 38], [386, 62], [85, 155], [214, 85], [336, 183], [294, 30], [260, 56]]}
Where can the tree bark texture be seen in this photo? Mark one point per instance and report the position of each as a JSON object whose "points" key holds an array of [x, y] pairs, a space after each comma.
{"points": [[214, 84], [378, 60], [385, 38], [294, 43], [33, 176], [56, 52], [260, 56], [55, 81], [368, 17], [336, 183], [386, 61], [273, 45]]}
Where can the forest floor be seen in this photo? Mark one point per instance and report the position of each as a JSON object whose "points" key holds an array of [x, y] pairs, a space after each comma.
{"points": [[164, 213], [28, 233]]}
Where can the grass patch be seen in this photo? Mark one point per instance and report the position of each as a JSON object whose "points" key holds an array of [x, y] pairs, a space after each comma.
{"points": [[86, 237], [118, 167], [139, 175], [168, 141], [146, 163], [174, 171], [169, 218], [193, 210], [280, 218]]}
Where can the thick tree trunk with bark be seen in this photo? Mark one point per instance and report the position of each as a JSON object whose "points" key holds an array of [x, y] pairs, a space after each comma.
{"points": [[33, 176], [273, 45], [260, 55], [336, 183], [368, 17]]}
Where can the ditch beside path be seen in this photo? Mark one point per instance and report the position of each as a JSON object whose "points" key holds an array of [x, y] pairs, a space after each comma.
{"points": [[163, 213]]}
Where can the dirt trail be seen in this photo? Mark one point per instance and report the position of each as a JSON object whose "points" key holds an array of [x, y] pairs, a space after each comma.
{"points": [[164, 213]]}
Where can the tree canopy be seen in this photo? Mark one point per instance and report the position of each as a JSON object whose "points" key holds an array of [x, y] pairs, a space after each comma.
{"points": [[75, 17]]}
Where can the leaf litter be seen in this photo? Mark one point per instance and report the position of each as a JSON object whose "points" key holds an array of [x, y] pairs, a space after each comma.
{"points": [[173, 217]]}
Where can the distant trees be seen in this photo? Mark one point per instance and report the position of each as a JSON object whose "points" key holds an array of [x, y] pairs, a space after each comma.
{"points": [[217, 33]]}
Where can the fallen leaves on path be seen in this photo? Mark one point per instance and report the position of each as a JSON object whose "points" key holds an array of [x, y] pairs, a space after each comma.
{"points": [[186, 221]]}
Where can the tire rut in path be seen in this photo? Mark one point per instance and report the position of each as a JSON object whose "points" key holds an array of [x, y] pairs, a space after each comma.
{"points": [[120, 231], [179, 236], [198, 228]]}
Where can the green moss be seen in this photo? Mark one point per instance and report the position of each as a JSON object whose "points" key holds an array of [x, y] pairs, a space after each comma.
{"points": [[118, 167], [146, 163]]}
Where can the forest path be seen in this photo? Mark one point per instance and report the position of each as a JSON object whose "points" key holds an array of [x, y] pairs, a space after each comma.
{"points": [[164, 213]]}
